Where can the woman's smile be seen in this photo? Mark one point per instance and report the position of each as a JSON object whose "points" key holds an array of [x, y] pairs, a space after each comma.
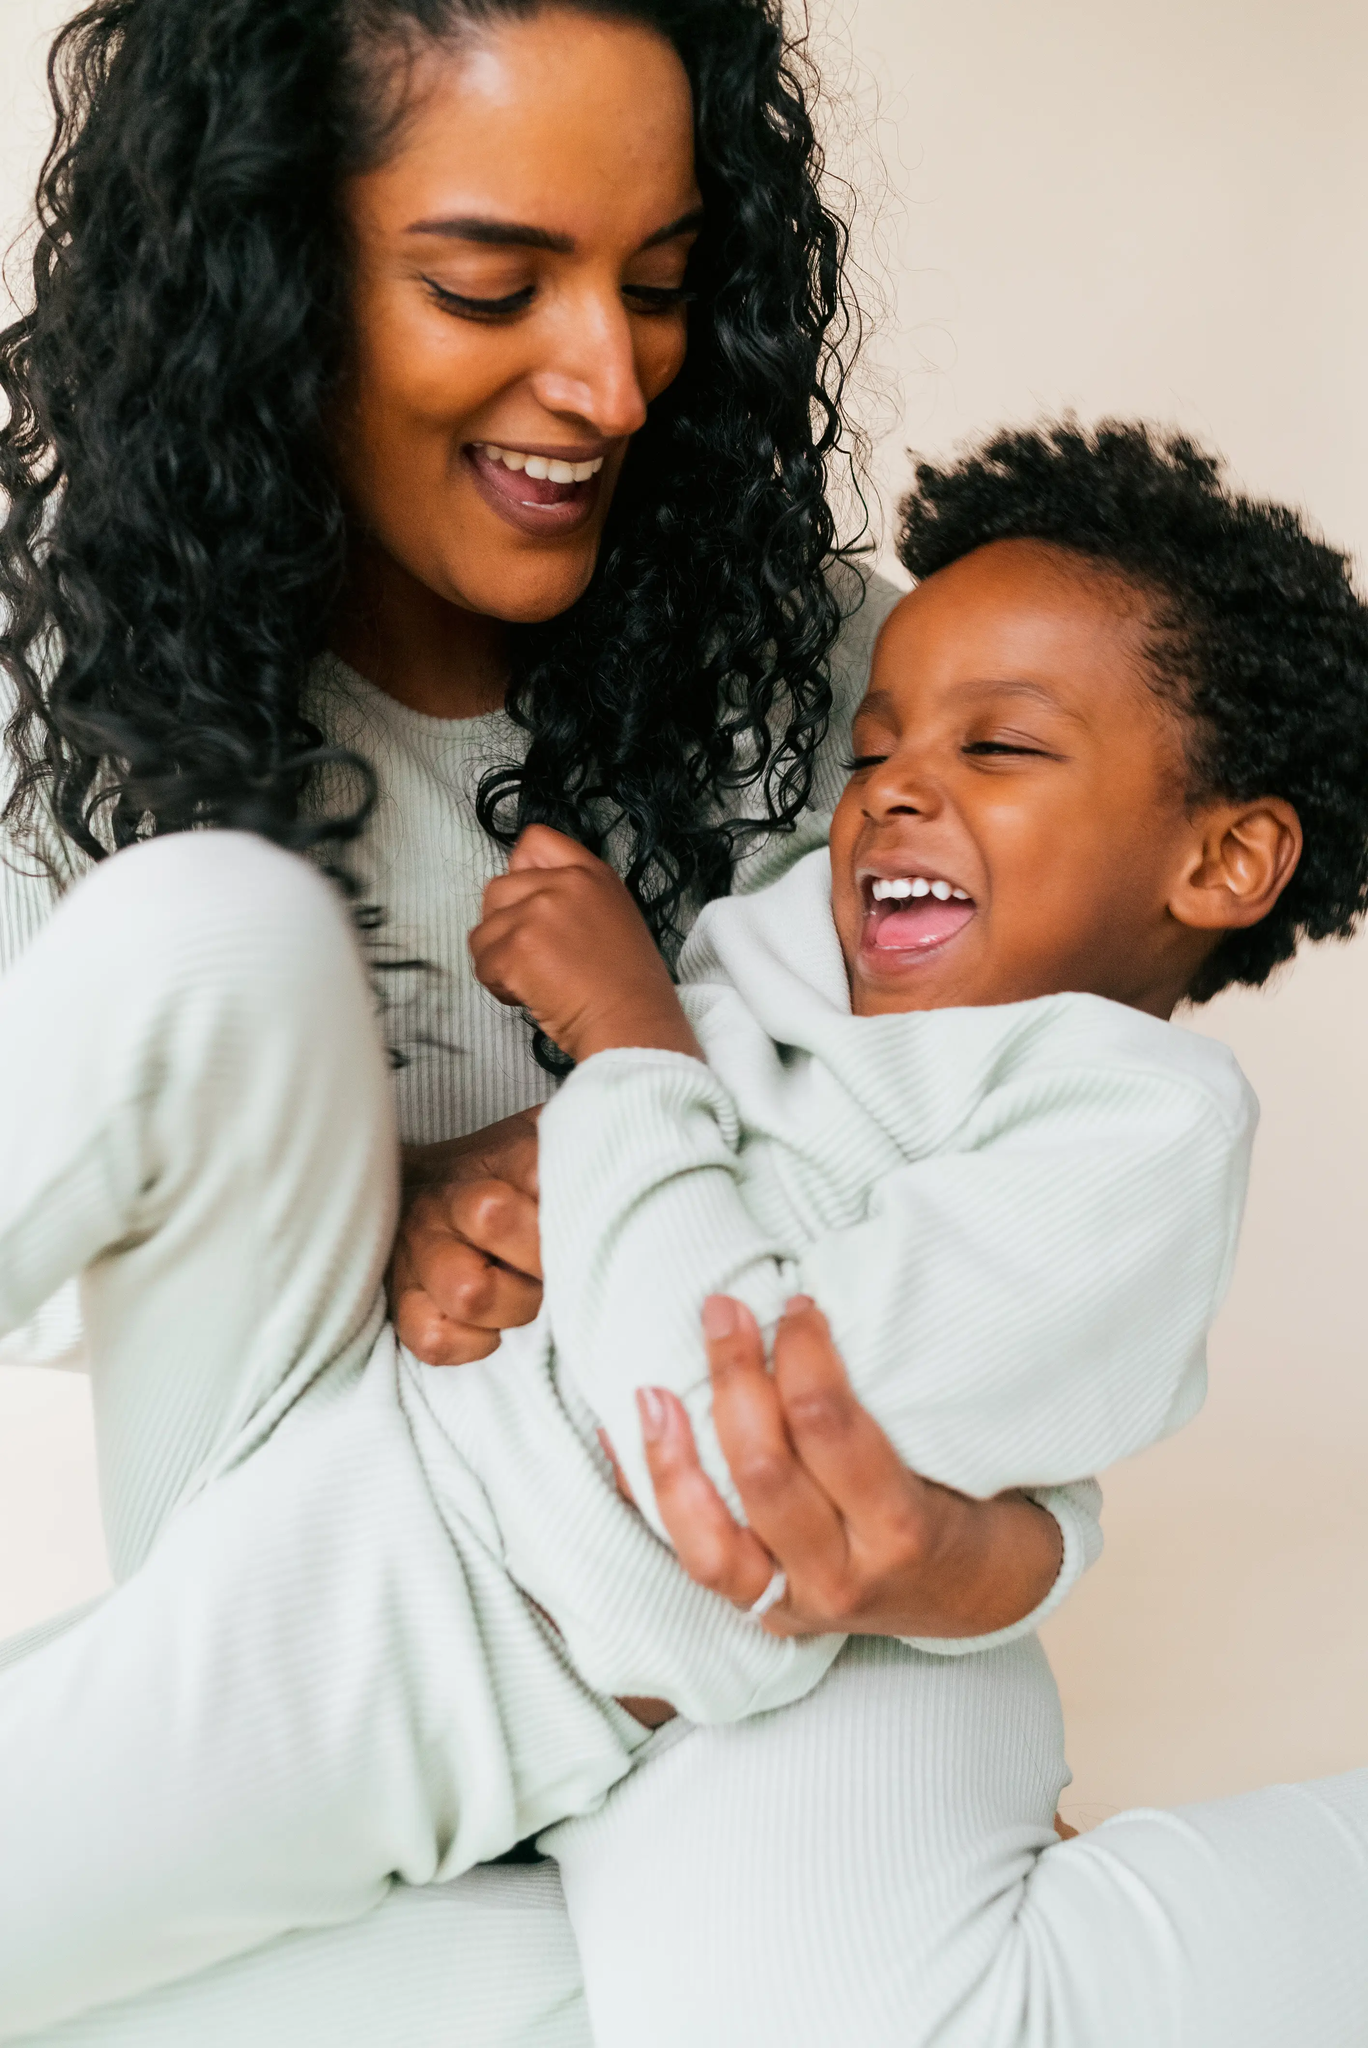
{"points": [[537, 488]]}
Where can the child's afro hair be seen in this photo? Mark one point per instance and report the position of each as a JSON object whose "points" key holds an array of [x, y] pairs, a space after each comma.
{"points": [[1260, 636]]}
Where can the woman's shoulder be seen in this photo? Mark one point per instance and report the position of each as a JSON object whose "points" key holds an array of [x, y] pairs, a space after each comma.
{"points": [[35, 868]]}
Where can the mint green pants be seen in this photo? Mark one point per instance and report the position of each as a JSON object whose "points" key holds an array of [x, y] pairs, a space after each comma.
{"points": [[241, 1800]]}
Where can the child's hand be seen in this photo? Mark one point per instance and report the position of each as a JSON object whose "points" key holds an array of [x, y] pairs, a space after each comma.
{"points": [[562, 938]]}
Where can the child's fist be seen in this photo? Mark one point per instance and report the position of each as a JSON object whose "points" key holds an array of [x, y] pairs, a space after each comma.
{"points": [[561, 938]]}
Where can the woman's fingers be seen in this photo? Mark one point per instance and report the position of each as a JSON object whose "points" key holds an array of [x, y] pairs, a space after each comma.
{"points": [[837, 1440], [502, 1151], [470, 1289], [433, 1337], [467, 1257], [711, 1545], [784, 1504], [449, 1300], [498, 1220]]}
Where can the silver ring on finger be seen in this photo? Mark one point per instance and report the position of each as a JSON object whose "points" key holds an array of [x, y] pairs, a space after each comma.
{"points": [[772, 1595]]}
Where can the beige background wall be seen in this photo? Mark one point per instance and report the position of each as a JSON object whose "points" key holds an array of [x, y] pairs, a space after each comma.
{"points": [[1153, 210]]}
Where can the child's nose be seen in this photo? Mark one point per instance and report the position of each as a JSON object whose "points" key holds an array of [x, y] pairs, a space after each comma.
{"points": [[903, 788]]}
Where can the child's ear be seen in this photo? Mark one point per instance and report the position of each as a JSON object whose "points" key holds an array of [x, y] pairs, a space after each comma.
{"points": [[1242, 857]]}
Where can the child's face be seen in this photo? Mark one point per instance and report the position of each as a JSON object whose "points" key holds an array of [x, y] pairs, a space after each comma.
{"points": [[1011, 754]]}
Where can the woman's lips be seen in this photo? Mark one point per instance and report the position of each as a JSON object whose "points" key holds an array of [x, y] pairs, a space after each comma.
{"points": [[919, 926], [534, 504]]}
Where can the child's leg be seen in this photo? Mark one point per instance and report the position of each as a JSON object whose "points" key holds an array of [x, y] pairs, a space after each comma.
{"points": [[800, 1877], [195, 1114], [488, 1961], [875, 1864]]}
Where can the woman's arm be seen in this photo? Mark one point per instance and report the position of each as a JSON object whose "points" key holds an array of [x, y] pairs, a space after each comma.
{"points": [[866, 1545]]}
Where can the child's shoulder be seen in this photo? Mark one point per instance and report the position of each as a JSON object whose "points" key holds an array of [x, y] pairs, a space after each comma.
{"points": [[1090, 1034]]}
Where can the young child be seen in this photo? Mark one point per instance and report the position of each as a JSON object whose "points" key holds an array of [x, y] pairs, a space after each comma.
{"points": [[382, 1632]]}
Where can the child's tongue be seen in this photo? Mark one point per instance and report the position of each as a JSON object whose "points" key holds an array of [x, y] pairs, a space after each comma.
{"points": [[911, 927]]}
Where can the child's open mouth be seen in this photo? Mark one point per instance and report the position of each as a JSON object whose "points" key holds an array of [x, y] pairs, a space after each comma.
{"points": [[913, 913]]}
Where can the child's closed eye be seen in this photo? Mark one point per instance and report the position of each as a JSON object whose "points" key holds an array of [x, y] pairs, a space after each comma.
{"points": [[989, 749]]}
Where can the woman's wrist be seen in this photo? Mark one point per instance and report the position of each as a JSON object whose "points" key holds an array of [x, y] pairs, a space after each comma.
{"points": [[989, 1565]]}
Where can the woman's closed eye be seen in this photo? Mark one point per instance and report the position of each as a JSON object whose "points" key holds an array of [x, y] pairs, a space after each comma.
{"points": [[657, 298], [649, 299], [466, 307], [860, 764]]}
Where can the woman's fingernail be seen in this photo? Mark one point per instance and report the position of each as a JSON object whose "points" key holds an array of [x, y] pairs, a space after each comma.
{"points": [[651, 1408], [797, 1303], [719, 1317]]}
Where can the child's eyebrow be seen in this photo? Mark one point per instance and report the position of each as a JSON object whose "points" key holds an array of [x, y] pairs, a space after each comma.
{"points": [[1017, 686]]}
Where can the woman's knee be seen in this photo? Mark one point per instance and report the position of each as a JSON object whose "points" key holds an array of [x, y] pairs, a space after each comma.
{"points": [[211, 909]]}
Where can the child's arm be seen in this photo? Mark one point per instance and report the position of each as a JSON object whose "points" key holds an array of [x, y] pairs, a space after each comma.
{"points": [[1019, 1313], [1016, 1312]]}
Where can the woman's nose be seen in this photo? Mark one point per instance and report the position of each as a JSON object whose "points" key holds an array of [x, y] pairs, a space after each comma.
{"points": [[597, 379]]}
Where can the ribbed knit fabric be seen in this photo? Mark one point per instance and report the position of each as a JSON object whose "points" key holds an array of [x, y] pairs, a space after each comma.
{"points": [[311, 1680], [875, 1867], [486, 1962], [376, 1695], [424, 859], [1019, 1220]]}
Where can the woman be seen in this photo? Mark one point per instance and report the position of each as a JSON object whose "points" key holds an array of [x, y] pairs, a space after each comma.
{"points": [[254, 461], [320, 293]]}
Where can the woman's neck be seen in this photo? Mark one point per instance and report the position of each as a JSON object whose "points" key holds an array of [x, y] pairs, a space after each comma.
{"points": [[413, 645]]}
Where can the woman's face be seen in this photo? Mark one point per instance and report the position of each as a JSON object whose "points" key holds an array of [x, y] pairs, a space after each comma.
{"points": [[519, 263]]}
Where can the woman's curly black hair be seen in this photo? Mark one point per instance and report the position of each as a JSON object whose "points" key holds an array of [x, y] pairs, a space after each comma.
{"points": [[174, 542], [1260, 637]]}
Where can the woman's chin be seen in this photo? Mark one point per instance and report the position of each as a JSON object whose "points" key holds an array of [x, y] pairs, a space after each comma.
{"points": [[527, 583]]}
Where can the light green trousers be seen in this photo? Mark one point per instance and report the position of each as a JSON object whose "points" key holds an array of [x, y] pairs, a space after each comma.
{"points": [[309, 1684], [303, 1688]]}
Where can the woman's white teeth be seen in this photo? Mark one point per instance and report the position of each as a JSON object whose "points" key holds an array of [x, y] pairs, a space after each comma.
{"points": [[903, 886], [541, 468]]}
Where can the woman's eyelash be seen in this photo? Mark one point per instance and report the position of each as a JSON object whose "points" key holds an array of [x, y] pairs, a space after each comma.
{"points": [[858, 762], [480, 309], [651, 298], [659, 298]]}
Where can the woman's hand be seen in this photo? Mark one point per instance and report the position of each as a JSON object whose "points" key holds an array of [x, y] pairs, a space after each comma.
{"points": [[868, 1547], [467, 1259], [562, 938]]}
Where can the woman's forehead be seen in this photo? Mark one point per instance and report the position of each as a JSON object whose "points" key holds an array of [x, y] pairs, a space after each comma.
{"points": [[565, 123]]}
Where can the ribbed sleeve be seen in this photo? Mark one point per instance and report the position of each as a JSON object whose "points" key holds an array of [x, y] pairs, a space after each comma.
{"points": [[1019, 1221]]}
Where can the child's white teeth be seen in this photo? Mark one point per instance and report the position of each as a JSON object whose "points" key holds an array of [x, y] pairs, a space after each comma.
{"points": [[901, 886], [541, 467]]}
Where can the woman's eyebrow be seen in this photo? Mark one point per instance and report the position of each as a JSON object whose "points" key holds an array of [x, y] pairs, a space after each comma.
{"points": [[498, 234], [687, 224], [514, 234]]}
